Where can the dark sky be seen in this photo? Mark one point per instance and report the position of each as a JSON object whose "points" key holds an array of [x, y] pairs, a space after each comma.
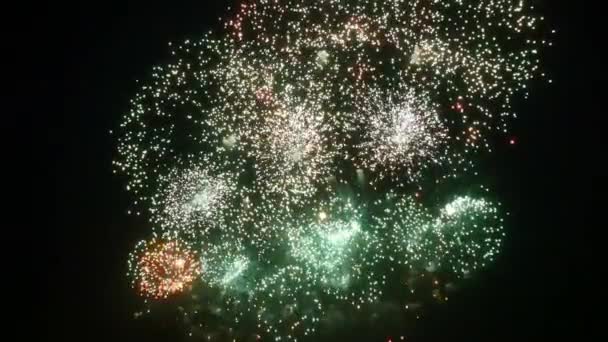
{"points": [[96, 51]]}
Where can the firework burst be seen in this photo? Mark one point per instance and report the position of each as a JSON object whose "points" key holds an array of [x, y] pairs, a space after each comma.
{"points": [[163, 268], [279, 159]]}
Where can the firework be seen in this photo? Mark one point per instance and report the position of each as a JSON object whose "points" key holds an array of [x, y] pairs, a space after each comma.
{"points": [[283, 161], [401, 135], [163, 268], [292, 154], [464, 236], [194, 200]]}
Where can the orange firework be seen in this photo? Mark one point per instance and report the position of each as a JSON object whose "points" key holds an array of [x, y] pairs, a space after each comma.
{"points": [[163, 269]]}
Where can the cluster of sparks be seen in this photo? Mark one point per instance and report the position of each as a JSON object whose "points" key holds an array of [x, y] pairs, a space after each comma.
{"points": [[284, 159], [401, 136], [463, 237], [164, 267]]}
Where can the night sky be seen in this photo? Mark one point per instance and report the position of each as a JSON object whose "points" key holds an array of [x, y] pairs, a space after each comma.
{"points": [[101, 47]]}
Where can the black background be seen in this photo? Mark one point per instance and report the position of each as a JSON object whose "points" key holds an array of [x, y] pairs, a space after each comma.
{"points": [[93, 53]]}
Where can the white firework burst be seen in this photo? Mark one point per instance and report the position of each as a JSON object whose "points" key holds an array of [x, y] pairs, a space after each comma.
{"points": [[403, 133], [194, 199], [291, 150]]}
